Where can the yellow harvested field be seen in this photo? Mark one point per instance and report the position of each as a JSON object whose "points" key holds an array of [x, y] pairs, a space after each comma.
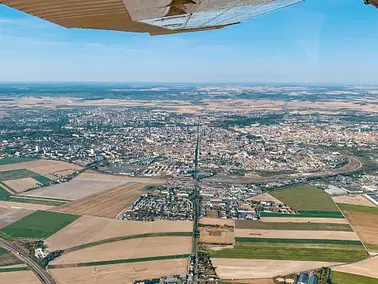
{"points": [[353, 199], [109, 203], [119, 273], [88, 229], [41, 166], [16, 205], [293, 234], [304, 220], [19, 277], [228, 268], [216, 237], [22, 184], [133, 248], [265, 197], [215, 221], [366, 268], [365, 225]]}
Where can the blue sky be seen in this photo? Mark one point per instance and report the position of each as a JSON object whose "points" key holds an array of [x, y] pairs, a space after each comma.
{"points": [[317, 42]]}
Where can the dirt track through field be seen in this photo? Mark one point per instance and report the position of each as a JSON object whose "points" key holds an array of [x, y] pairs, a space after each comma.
{"points": [[119, 273], [366, 268], [293, 234], [228, 268], [88, 229], [105, 204]]}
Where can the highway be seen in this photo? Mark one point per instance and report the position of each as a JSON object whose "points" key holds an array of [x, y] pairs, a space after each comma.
{"points": [[42, 274], [196, 210]]}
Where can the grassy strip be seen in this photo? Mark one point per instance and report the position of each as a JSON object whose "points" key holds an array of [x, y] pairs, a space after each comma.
{"points": [[247, 224], [12, 269], [346, 278], [33, 201], [41, 198], [169, 234], [12, 160], [39, 225], [130, 260], [41, 179], [371, 247], [17, 261], [358, 208], [307, 214], [305, 197], [297, 241], [291, 252], [4, 193]]}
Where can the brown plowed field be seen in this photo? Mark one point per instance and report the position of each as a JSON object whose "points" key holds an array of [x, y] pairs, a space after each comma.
{"points": [[22, 184], [19, 277], [105, 204], [119, 273], [217, 221], [365, 225], [128, 249], [228, 268], [293, 234], [88, 229], [41, 166], [366, 268], [353, 199]]}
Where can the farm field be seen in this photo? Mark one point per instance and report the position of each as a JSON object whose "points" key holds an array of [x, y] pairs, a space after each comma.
{"points": [[306, 214], [291, 251], [294, 234], [366, 267], [20, 174], [89, 183], [228, 268], [364, 220], [40, 224], [42, 167], [249, 224], [22, 184], [19, 277], [7, 258], [304, 220], [120, 273], [109, 203], [305, 197], [128, 249], [209, 235], [11, 160], [346, 278], [11, 215], [4, 193], [265, 197], [353, 199], [88, 229], [217, 221]]}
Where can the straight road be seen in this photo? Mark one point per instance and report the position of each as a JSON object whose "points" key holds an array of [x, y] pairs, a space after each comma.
{"points": [[42, 274], [196, 210]]}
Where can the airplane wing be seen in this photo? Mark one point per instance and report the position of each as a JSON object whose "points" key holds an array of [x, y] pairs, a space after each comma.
{"points": [[149, 16]]}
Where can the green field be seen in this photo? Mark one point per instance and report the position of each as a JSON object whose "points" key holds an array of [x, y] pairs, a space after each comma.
{"points": [[358, 208], [346, 278], [39, 225], [307, 214], [130, 260], [3, 193], [305, 197], [285, 251], [296, 241], [12, 269], [23, 173], [247, 224], [11, 160]]}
